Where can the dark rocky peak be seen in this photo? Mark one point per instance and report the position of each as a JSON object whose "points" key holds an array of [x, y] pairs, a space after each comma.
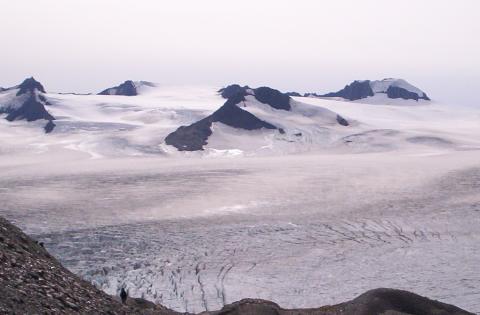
{"points": [[393, 88], [399, 92], [28, 104], [272, 97], [49, 126], [31, 110], [266, 95], [232, 90], [195, 136], [354, 91], [232, 115], [127, 88], [30, 85]]}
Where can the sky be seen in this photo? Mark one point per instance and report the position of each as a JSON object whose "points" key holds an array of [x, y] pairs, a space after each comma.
{"points": [[302, 45]]}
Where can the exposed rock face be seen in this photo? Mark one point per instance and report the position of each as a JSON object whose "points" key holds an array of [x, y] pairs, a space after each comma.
{"points": [[233, 114], [272, 97], [195, 136], [393, 88], [232, 90], [30, 85], [398, 92], [354, 91], [127, 88], [28, 103], [33, 282]]}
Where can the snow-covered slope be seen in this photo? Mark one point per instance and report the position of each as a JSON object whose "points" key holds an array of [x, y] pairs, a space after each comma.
{"points": [[233, 121], [255, 120], [377, 91]]}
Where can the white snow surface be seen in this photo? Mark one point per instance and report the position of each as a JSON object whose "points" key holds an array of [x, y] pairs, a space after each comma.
{"points": [[389, 201], [381, 86]]}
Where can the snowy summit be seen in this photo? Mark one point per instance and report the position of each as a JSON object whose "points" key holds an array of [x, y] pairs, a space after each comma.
{"points": [[392, 88]]}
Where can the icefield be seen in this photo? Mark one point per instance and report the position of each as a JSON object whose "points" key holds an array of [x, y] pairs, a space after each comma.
{"points": [[392, 200]]}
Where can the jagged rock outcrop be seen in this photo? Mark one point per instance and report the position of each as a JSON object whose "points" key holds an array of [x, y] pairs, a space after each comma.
{"points": [[34, 282], [354, 91], [127, 88], [243, 110], [26, 102], [194, 136], [393, 88]]}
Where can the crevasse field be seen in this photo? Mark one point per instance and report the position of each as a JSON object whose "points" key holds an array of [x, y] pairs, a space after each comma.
{"points": [[393, 200]]}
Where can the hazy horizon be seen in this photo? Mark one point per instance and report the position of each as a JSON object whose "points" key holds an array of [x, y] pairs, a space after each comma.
{"points": [[306, 46]]}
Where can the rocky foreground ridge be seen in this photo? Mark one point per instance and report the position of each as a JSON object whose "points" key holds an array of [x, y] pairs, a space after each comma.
{"points": [[34, 282]]}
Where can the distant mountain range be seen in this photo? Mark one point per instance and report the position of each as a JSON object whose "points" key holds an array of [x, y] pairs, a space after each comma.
{"points": [[364, 89], [248, 113], [247, 109]]}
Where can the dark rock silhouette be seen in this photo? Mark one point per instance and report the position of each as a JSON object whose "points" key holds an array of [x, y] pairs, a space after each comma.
{"points": [[232, 90], [33, 282], [272, 97], [394, 88], [266, 95], [398, 92], [354, 91], [49, 126], [127, 88], [194, 136], [30, 110], [28, 104], [30, 85]]}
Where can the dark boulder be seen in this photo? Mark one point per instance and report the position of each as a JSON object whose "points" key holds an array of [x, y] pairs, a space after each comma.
{"points": [[49, 126], [30, 110], [232, 115], [28, 104], [354, 91], [342, 121]]}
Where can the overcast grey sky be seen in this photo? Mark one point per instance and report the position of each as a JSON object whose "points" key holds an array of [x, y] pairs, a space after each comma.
{"points": [[303, 45]]}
